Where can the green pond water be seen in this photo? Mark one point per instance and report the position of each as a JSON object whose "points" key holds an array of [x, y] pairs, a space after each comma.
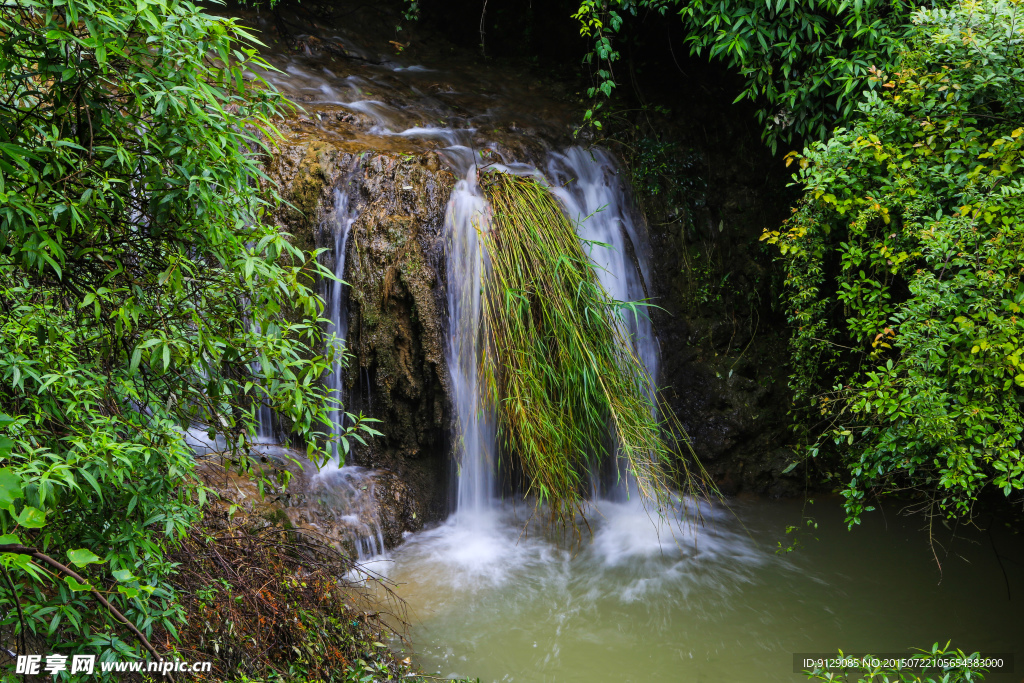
{"points": [[492, 597]]}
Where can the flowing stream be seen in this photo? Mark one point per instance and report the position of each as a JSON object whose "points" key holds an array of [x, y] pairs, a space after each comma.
{"points": [[496, 595]]}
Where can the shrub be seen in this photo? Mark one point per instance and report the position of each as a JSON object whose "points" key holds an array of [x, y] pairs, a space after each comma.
{"points": [[140, 296], [904, 268]]}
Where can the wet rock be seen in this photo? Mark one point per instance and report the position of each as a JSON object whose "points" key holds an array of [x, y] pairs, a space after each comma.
{"points": [[337, 506], [724, 344], [396, 330], [394, 266]]}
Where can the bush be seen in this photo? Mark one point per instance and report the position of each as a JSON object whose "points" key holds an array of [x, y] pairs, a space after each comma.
{"points": [[903, 265], [140, 296], [803, 64]]}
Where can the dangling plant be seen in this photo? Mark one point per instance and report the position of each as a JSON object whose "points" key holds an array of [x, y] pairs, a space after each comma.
{"points": [[559, 367]]}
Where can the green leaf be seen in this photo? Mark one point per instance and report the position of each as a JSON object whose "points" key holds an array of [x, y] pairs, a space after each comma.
{"points": [[24, 563], [83, 557], [31, 518], [128, 592], [11, 487], [124, 576], [75, 586]]}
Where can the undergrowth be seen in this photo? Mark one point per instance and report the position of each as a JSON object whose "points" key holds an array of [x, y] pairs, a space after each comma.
{"points": [[270, 605], [560, 366]]}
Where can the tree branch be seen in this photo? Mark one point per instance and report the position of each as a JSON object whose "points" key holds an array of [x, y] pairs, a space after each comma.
{"points": [[36, 555]]}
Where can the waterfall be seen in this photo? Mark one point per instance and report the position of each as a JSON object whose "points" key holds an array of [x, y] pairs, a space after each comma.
{"points": [[340, 222], [475, 442], [587, 183], [264, 418], [593, 195], [346, 491]]}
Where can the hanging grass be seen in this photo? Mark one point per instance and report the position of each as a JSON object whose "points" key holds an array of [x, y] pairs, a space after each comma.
{"points": [[569, 389]]}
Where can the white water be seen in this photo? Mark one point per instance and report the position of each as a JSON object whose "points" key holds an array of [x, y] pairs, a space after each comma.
{"points": [[340, 222], [589, 188], [467, 216], [344, 493], [347, 491]]}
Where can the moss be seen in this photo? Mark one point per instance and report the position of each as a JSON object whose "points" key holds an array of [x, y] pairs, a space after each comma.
{"points": [[277, 517], [395, 330], [309, 192]]}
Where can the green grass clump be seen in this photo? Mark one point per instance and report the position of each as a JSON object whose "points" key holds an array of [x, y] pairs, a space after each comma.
{"points": [[559, 367]]}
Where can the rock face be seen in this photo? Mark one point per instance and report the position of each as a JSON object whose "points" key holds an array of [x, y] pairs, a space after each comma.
{"points": [[394, 266], [724, 344], [396, 333]]}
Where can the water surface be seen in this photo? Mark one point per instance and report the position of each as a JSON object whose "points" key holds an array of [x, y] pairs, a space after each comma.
{"points": [[492, 597]]}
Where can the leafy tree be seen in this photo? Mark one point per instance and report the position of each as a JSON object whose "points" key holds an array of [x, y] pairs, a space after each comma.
{"points": [[141, 296], [804, 63], [904, 268]]}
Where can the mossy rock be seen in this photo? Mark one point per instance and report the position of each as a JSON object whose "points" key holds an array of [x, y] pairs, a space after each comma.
{"points": [[395, 303]]}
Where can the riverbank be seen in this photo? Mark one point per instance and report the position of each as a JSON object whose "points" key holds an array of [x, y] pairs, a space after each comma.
{"points": [[267, 600]]}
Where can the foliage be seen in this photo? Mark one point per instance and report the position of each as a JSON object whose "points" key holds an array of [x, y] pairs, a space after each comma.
{"points": [[560, 366], [877, 672], [268, 604], [904, 270], [140, 296], [662, 170], [804, 64]]}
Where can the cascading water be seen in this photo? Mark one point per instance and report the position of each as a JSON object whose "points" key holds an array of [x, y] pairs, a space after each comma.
{"points": [[340, 222], [467, 215], [348, 490], [587, 184], [344, 494]]}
